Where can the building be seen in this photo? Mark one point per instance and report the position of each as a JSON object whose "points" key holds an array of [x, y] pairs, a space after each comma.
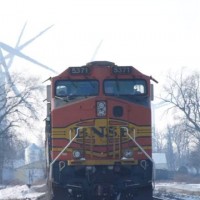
{"points": [[161, 167]]}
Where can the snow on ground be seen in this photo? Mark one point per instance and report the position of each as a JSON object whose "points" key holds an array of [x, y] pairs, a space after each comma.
{"points": [[20, 192], [181, 191], [183, 187]]}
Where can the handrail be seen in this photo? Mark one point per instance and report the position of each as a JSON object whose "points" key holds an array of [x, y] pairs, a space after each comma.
{"points": [[149, 157], [138, 145], [71, 140]]}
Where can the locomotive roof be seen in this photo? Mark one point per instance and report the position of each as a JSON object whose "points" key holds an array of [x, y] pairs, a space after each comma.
{"points": [[100, 63], [118, 70]]}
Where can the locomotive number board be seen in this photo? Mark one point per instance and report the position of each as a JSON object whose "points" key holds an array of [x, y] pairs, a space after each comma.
{"points": [[121, 70], [79, 70]]}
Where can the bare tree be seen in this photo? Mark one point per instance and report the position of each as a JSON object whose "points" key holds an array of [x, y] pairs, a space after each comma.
{"points": [[17, 111], [183, 93], [158, 142], [194, 158], [177, 145], [169, 149], [182, 141]]}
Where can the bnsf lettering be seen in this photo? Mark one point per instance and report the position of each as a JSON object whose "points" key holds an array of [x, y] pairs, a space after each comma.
{"points": [[101, 132]]}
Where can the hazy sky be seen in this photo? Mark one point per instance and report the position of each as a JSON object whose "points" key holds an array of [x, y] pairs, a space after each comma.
{"points": [[143, 33], [151, 35]]}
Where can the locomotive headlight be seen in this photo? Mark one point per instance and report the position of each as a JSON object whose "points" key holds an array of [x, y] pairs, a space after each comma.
{"points": [[128, 153], [101, 108], [77, 154]]}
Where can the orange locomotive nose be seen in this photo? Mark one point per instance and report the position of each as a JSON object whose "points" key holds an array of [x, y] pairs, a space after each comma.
{"points": [[99, 132]]}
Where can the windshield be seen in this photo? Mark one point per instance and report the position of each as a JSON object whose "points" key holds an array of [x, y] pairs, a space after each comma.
{"points": [[119, 87], [77, 88], [133, 90]]}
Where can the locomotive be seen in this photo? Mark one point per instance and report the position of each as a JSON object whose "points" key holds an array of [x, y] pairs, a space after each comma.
{"points": [[98, 133]]}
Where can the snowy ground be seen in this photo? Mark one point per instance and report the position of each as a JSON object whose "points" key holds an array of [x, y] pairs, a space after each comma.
{"points": [[22, 192], [178, 191], [181, 191]]}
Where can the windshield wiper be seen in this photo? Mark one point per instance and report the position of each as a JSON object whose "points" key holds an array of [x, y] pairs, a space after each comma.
{"points": [[65, 99]]}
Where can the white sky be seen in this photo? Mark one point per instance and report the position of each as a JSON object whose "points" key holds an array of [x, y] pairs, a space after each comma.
{"points": [[151, 35]]}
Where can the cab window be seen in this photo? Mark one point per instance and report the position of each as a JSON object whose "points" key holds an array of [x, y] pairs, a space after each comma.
{"points": [[132, 90], [119, 87], [65, 88]]}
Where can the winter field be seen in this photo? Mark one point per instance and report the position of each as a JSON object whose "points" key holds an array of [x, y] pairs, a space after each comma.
{"points": [[23, 192], [178, 191], [168, 190]]}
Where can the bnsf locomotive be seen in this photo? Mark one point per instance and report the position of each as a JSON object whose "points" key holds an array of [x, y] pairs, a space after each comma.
{"points": [[98, 133]]}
